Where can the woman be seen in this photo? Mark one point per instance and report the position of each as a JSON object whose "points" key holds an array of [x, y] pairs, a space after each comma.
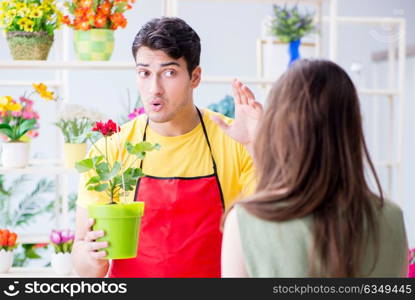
{"points": [[313, 213]]}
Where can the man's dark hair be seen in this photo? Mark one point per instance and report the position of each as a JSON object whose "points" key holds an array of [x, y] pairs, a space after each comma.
{"points": [[173, 36]]}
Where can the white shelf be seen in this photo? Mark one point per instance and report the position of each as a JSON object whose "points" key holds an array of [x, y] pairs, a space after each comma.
{"points": [[82, 65], [34, 272], [33, 239], [38, 169]]}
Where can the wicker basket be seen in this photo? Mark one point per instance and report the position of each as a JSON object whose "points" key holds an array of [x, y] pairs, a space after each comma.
{"points": [[29, 45]]}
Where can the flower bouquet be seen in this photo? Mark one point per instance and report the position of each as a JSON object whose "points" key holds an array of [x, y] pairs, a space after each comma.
{"points": [[7, 245], [75, 122], [62, 241], [94, 22], [120, 218], [30, 26], [19, 123]]}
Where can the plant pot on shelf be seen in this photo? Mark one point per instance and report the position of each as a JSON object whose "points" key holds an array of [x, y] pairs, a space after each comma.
{"points": [[6, 260], [94, 44], [62, 263], [15, 154], [73, 153], [29, 45], [121, 224]]}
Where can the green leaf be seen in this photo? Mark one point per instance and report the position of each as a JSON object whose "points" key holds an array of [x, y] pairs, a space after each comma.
{"points": [[93, 180], [84, 165], [140, 148], [103, 170], [101, 187], [96, 160], [115, 169], [25, 126]]}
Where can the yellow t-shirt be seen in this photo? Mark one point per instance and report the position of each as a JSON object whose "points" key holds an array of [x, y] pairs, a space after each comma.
{"points": [[186, 155]]}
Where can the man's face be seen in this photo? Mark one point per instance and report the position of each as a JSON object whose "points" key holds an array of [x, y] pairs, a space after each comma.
{"points": [[164, 84]]}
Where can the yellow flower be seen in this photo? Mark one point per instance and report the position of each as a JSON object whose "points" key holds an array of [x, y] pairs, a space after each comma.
{"points": [[23, 22], [14, 106], [4, 102], [36, 13], [20, 5], [40, 87], [29, 27], [43, 92], [47, 95]]}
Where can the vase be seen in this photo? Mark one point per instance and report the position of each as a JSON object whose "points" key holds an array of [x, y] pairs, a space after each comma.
{"points": [[121, 224], [6, 260], [62, 263], [294, 51], [94, 44], [29, 45], [15, 154], [73, 153]]}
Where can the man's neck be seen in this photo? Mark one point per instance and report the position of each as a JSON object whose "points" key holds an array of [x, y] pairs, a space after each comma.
{"points": [[183, 123]]}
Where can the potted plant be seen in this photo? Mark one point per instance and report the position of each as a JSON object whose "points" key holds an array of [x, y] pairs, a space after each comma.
{"points": [[289, 25], [61, 260], [75, 121], [94, 22], [19, 123], [29, 27], [120, 218], [7, 245]]}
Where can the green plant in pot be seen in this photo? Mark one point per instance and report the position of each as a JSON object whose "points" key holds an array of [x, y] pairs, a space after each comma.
{"points": [[29, 27], [289, 25], [119, 218], [75, 121]]}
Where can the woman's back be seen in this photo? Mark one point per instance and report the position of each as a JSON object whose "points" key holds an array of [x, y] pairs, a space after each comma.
{"points": [[282, 249]]}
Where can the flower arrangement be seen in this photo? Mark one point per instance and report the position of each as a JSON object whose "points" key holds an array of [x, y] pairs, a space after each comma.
{"points": [[117, 178], [62, 240], [75, 121], [289, 25], [30, 16], [18, 119], [7, 240], [88, 14]]}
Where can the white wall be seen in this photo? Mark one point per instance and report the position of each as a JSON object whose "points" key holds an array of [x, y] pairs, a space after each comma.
{"points": [[228, 32]]}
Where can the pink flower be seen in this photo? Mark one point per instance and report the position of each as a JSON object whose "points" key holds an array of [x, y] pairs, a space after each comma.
{"points": [[16, 114], [27, 101], [33, 133], [136, 112]]}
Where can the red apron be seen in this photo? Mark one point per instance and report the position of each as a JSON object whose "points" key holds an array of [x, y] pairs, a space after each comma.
{"points": [[180, 234]]}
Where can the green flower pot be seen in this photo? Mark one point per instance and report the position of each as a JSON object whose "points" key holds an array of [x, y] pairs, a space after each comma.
{"points": [[29, 45], [94, 44], [121, 224]]}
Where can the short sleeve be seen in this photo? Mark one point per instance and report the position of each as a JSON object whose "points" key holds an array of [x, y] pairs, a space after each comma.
{"points": [[247, 173]]}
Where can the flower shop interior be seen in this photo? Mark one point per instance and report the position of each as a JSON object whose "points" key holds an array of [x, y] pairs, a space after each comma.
{"points": [[371, 39]]}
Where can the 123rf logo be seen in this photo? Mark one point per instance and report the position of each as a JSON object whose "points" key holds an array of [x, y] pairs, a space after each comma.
{"points": [[70, 289]]}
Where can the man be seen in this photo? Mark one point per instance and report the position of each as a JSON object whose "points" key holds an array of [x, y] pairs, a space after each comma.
{"points": [[202, 166]]}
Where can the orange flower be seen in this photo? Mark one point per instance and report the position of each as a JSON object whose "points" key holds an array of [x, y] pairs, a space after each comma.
{"points": [[85, 3], [66, 20], [100, 21], [118, 20], [83, 25], [105, 8]]}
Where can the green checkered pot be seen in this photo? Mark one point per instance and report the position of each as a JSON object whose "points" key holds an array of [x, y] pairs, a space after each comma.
{"points": [[94, 44]]}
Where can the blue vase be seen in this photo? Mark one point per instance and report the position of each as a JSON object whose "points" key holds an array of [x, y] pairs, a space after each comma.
{"points": [[294, 50]]}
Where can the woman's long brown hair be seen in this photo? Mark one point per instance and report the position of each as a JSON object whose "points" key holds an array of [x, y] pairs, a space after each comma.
{"points": [[310, 156]]}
